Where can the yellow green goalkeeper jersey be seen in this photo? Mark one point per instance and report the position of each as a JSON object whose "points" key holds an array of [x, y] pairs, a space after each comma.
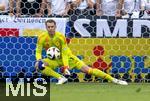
{"points": [[58, 40]]}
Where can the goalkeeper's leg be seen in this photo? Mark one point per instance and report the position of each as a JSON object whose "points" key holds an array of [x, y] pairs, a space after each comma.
{"points": [[45, 69], [75, 62], [50, 72], [99, 73]]}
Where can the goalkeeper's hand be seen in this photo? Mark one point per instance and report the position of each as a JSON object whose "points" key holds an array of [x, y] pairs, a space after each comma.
{"points": [[65, 70]]}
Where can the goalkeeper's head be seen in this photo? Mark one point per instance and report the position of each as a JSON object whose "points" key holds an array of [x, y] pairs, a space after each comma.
{"points": [[50, 26]]}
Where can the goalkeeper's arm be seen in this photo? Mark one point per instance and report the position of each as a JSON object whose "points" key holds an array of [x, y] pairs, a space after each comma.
{"points": [[65, 60], [65, 55]]}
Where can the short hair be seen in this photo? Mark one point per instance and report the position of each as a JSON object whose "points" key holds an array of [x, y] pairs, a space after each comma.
{"points": [[50, 21]]}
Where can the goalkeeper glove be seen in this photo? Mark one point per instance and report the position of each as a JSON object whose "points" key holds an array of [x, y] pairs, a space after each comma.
{"points": [[65, 70]]}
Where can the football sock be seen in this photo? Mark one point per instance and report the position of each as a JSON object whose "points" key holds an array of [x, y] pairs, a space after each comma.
{"points": [[99, 73]]}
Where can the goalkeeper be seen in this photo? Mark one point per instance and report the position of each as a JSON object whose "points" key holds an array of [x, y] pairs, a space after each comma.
{"points": [[46, 66]]}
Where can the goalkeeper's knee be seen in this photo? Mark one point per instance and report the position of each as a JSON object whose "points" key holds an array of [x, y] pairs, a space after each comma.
{"points": [[40, 65]]}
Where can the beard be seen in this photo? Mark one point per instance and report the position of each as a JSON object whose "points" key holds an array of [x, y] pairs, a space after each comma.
{"points": [[51, 32]]}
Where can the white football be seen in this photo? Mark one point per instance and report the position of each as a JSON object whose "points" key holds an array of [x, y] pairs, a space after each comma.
{"points": [[53, 53]]}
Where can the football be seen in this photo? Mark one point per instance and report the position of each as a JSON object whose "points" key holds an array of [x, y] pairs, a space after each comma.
{"points": [[53, 53]]}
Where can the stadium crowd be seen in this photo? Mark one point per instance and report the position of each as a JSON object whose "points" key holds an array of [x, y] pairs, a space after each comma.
{"points": [[41, 8]]}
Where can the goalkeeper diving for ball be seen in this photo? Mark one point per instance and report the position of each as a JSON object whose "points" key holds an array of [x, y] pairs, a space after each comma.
{"points": [[52, 38]]}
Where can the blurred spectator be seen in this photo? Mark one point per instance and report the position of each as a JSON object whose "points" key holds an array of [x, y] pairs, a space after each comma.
{"points": [[145, 6], [83, 6], [131, 8], [13, 5], [55, 7], [28, 7], [109, 7], [4, 7]]}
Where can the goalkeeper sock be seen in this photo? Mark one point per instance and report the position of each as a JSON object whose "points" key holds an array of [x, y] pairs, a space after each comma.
{"points": [[99, 73], [50, 72]]}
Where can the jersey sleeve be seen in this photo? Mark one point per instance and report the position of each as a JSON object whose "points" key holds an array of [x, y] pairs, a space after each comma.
{"points": [[65, 51], [39, 47]]}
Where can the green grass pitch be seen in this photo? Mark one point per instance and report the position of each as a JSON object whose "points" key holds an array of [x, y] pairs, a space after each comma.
{"points": [[99, 92]]}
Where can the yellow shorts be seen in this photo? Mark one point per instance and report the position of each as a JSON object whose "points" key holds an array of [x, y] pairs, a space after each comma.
{"points": [[74, 62]]}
